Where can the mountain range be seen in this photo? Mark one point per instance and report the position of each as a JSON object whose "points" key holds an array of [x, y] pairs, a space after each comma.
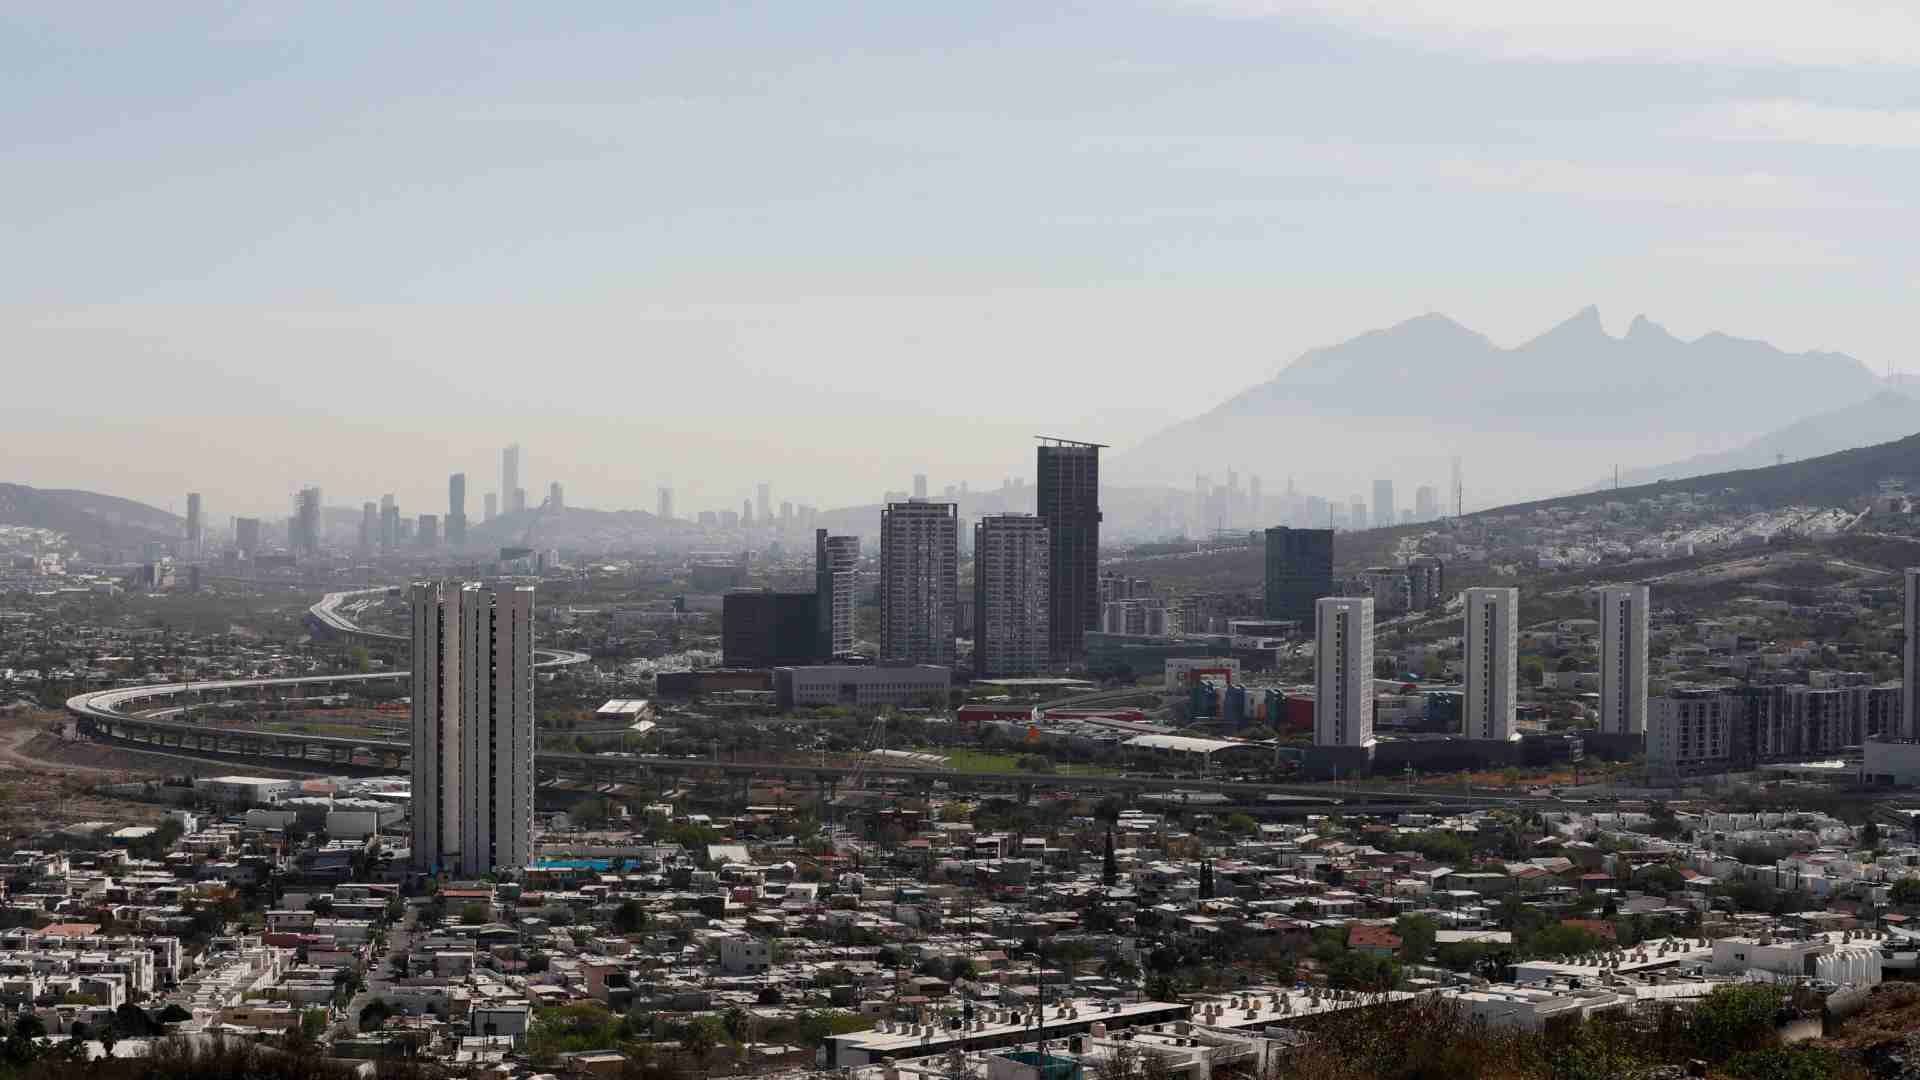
{"points": [[1887, 416], [1540, 417], [89, 519]]}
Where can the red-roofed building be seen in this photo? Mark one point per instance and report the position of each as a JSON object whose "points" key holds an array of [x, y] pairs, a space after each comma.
{"points": [[72, 929], [1377, 940]]}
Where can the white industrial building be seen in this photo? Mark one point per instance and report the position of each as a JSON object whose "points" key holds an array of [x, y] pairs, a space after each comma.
{"points": [[1492, 660], [472, 728], [1343, 672]]}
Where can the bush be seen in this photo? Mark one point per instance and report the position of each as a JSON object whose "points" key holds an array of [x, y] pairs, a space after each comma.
{"points": [[1733, 1018], [1787, 1063]]}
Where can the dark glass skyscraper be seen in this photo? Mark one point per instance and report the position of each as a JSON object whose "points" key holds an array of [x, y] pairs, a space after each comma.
{"points": [[1069, 502], [1299, 572]]}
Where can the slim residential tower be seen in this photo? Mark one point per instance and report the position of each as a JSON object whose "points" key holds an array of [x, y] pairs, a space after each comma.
{"points": [[1343, 672], [835, 559], [1492, 657], [919, 581], [1010, 596], [472, 728], [1623, 656], [1069, 503]]}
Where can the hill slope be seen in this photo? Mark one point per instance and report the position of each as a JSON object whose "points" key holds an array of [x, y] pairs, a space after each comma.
{"points": [[1885, 417], [88, 518]]}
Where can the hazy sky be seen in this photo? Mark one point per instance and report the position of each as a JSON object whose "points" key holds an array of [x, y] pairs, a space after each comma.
{"points": [[830, 245]]}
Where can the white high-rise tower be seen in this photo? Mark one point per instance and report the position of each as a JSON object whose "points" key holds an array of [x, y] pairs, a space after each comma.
{"points": [[1492, 648], [1623, 657], [1343, 671], [472, 728]]}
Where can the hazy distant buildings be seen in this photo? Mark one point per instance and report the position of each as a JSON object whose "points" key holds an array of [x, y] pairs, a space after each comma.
{"points": [[246, 535], [556, 497], [763, 502], [369, 526], [665, 511], [1299, 572], [472, 722], [1343, 672], [196, 523], [512, 495], [303, 535], [919, 485], [919, 581], [1426, 503], [457, 510], [426, 531], [1011, 563], [764, 628], [1492, 636], [1068, 501], [835, 576], [1623, 657], [492, 507], [389, 523], [1383, 515]]}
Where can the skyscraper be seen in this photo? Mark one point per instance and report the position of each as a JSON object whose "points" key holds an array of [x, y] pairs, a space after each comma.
{"points": [[196, 525], [1492, 660], [246, 535], [389, 523], [492, 507], [304, 535], [1343, 671], [763, 502], [1299, 572], [510, 494], [1010, 596], [426, 531], [835, 559], [1068, 475], [1384, 516], [556, 496], [1623, 656], [665, 513], [919, 581], [1426, 503], [369, 526], [919, 485], [457, 509], [472, 714]]}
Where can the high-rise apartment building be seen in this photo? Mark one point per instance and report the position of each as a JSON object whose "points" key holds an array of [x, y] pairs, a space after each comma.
{"points": [[1426, 503], [665, 512], [763, 502], [556, 497], [491, 506], [1426, 583], [369, 526], [426, 531], [472, 716], [919, 581], [1383, 514], [457, 510], [246, 535], [1623, 658], [1299, 572], [1343, 672], [919, 485], [835, 576], [1910, 656], [1011, 563], [1068, 501], [512, 496], [1492, 636], [196, 524], [389, 523]]}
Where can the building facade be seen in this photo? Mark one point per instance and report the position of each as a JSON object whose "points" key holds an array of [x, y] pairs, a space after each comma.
{"points": [[1623, 659], [1068, 501], [1910, 656], [764, 628], [1492, 636], [457, 509], [1426, 582], [836, 561], [512, 497], [919, 581], [1343, 672], [1299, 572], [1011, 564], [472, 720], [1383, 513], [861, 684]]}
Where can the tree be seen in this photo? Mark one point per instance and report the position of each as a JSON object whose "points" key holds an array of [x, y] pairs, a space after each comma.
{"points": [[475, 914], [629, 918], [1870, 835], [1109, 866], [1417, 934], [1533, 671], [1906, 891], [374, 1016], [704, 1034], [1206, 879], [1735, 1017]]}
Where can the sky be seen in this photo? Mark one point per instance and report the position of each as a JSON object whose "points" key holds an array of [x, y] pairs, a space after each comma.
{"points": [[827, 246]]}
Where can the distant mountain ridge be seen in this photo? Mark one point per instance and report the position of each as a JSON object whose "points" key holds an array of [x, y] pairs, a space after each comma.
{"points": [[88, 518], [1399, 401]]}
